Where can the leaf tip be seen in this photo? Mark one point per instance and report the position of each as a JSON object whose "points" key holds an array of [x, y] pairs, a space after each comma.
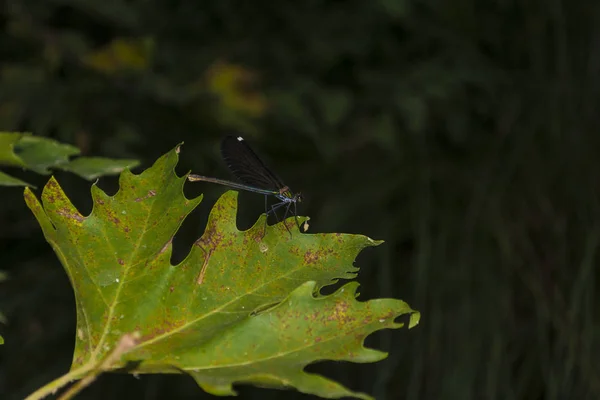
{"points": [[415, 318], [375, 243], [30, 198], [27, 192], [51, 188]]}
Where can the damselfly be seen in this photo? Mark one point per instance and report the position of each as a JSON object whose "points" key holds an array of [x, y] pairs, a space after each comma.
{"points": [[255, 177]]}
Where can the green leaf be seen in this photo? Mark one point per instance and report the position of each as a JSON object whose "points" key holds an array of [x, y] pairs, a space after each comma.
{"points": [[91, 168], [240, 308], [7, 180], [39, 154], [32, 152]]}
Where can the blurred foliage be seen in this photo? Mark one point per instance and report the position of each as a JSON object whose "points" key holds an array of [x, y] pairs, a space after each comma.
{"points": [[462, 133], [39, 154], [120, 55]]}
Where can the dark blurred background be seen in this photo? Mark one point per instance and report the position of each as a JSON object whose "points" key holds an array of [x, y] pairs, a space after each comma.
{"points": [[463, 133]]}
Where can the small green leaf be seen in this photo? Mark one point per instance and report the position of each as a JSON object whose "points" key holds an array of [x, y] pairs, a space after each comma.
{"points": [[240, 308], [91, 168], [39, 154], [7, 180]]}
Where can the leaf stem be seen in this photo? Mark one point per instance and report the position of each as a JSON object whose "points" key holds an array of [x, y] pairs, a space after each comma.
{"points": [[88, 372], [59, 382]]}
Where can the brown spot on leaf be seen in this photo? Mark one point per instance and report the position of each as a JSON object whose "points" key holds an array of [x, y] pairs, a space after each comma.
{"points": [[110, 215], [310, 257], [390, 314], [211, 239], [151, 193], [120, 261], [340, 313], [67, 214]]}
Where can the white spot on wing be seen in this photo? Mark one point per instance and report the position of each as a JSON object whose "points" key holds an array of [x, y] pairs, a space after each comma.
{"points": [[240, 139]]}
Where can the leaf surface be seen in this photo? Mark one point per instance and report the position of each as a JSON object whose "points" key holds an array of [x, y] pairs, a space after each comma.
{"points": [[8, 180], [91, 168], [39, 153], [239, 308]]}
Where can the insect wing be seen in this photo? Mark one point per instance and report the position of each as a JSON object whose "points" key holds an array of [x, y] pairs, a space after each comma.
{"points": [[246, 165]]}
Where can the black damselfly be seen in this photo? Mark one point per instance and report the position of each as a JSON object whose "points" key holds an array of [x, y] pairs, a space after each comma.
{"points": [[255, 177]]}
